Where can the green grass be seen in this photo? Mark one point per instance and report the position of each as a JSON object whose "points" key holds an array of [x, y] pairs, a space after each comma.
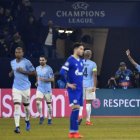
{"points": [[103, 129]]}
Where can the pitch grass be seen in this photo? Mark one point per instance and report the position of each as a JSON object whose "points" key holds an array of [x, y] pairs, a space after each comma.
{"points": [[103, 129]]}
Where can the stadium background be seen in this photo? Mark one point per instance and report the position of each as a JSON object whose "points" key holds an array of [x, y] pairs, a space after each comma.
{"points": [[108, 28]]}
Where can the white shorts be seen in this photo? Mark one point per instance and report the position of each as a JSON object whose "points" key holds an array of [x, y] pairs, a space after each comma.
{"points": [[47, 97], [88, 94], [21, 96]]}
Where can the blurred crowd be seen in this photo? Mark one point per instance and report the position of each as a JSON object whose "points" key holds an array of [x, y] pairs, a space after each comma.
{"points": [[124, 78], [19, 27]]}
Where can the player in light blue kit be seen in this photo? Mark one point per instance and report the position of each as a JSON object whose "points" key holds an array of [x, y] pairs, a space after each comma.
{"points": [[89, 84], [44, 90], [72, 72], [136, 65], [21, 69]]}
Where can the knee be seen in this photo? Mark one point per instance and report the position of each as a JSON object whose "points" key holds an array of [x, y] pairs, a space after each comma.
{"points": [[49, 105], [26, 104], [76, 107], [38, 102]]}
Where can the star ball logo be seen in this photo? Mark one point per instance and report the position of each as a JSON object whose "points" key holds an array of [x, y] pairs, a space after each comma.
{"points": [[80, 5], [96, 103]]}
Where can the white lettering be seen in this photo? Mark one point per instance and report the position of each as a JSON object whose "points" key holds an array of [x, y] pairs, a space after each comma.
{"points": [[55, 100], [7, 106]]}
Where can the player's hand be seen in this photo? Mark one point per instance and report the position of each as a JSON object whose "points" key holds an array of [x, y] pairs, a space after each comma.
{"points": [[93, 89], [43, 13], [36, 84], [10, 74], [42, 79], [72, 86], [20, 70], [128, 52]]}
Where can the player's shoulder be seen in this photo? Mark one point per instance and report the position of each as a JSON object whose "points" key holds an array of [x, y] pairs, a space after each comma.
{"points": [[128, 70], [13, 61], [70, 58], [26, 60], [38, 67], [69, 61], [48, 67], [89, 61]]}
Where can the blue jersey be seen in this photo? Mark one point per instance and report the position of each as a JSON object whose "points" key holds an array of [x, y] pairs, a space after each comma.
{"points": [[21, 81], [89, 68], [74, 68], [138, 67], [46, 73], [124, 76]]}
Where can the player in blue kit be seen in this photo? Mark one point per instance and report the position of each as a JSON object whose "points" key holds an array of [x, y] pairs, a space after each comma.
{"points": [[89, 85], [136, 65], [44, 90], [72, 72], [21, 69]]}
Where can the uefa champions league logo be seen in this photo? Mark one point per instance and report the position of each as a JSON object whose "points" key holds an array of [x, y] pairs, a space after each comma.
{"points": [[80, 5]]}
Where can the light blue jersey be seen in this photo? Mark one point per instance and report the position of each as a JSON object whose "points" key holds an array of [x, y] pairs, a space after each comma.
{"points": [[46, 73], [21, 81], [89, 68], [138, 67]]}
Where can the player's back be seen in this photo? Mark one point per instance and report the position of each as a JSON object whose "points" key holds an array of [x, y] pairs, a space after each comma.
{"points": [[89, 67]]}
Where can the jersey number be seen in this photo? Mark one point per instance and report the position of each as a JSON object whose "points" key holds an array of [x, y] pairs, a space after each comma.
{"points": [[85, 72]]}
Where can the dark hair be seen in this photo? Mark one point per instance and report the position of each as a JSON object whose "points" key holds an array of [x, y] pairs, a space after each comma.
{"points": [[20, 48], [87, 49], [77, 45], [43, 56]]}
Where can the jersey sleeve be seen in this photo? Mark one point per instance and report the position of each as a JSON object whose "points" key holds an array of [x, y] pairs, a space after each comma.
{"points": [[66, 66], [51, 74], [94, 69], [11, 64], [138, 67], [64, 70], [30, 66]]}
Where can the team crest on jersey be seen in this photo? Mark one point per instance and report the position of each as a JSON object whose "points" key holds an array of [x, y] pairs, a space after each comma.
{"points": [[67, 64], [76, 64], [74, 101], [81, 64]]}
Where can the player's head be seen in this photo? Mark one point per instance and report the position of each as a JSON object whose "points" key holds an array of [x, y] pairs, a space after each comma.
{"points": [[78, 49], [19, 52], [87, 54], [42, 60], [123, 66]]}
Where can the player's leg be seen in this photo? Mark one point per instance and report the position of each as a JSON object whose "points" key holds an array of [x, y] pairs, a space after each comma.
{"points": [[88, 110], [39, 97], [17, 98], [90, 96], [81, 107], [75, 105], [26, 104], [48, 98]]}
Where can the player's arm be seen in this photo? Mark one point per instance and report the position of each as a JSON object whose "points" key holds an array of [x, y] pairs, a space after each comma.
{"points": [[50, 76], [11, 73], [29, 73], [131, 59], [64, 73], [36, 83], [95, 78], [46, 80], [30, 69]]}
